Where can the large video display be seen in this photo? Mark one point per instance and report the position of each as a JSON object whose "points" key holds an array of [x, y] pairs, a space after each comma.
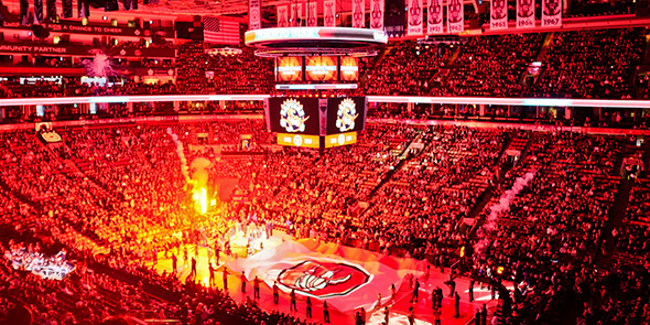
{"points": [[289, 68], [346, 114], [293, 115], [321, 68], [349, 68]]}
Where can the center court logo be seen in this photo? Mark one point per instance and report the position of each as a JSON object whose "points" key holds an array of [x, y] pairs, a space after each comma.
{"points": [[323, 279]]}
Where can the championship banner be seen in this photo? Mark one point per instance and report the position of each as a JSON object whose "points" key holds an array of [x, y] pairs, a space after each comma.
{"points": [[254, 16], [329, 13], [435, 17], [498, 14], [347, 278], [38, 11], [295, 14], [415, 18], [358, 14], [455, 16], [377, 14], [282, 16], [525, 13], [312, 14], [552, 13]]}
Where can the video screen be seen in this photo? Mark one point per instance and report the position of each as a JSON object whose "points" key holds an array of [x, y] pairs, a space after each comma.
{"points": [[289, 68], [293, 115], [349, 68], [346, 114], [321, 68]]}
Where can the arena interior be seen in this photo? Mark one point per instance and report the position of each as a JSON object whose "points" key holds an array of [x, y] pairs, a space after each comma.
{"points": [[204, 162]]}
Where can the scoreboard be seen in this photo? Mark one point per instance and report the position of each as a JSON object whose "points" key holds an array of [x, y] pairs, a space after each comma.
{"points": [[317, 69], [315, 122]]}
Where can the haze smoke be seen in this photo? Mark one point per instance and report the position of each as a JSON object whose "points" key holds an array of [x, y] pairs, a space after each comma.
{"points": [[496, 210]]}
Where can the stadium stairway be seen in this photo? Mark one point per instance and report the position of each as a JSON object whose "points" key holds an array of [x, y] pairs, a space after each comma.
{"points": [[614, 218], [541, 54]]}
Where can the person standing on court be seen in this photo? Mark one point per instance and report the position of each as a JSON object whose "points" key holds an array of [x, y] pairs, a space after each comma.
{"points": [[276, 295], [293, 300], [225, 278], [308, 307], [415, 292], [457, 304], [256, 288], [326, 313], [471, 290], [484, 315], [243, 282]]}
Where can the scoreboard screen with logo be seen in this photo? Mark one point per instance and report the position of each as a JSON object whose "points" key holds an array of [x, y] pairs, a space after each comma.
{"points": [[315, 122], [346, 114], [293, 115]]}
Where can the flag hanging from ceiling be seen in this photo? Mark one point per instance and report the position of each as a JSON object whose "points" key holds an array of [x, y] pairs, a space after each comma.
{"points": [[130, 4], [525, 13], [24, 12], [455, 16], [377, 14], [83, 8], [111, 5], [329, 13], [38, 11], [254, 15], [282, 16], [358, 14], [220, 31], [51, 10], [415, 17], [434, 17], [552, 13], [312, 14], [498, 14], [67, 8]]}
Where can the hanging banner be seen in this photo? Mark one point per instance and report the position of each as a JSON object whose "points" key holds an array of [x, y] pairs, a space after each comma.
{"points": [[300, 14], [295, 14], [312, 14], [51, 10], [394, 15], [38, 11], [455, 16], [415, 18], [377, 14], [24, 12], [282, 16], [254, 16], [67, 8], [329, 13], [552, 13], [498, 14], [83, 8], [434, 17], [358, 14], [525, 13]]}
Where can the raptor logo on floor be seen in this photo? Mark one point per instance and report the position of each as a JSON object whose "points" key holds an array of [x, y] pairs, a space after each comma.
{"points": [[323, 279]]}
